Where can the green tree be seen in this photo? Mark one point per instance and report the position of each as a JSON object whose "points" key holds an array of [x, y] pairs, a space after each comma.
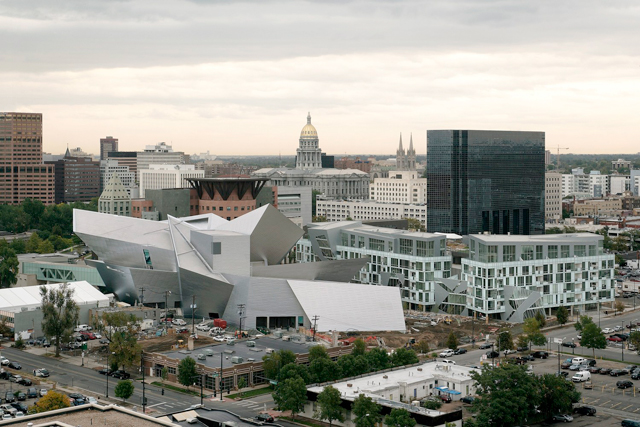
{"points": [[124, 389], [366, 412], [323, 370], [531, 329], [272, 363], [318, 352], [50, 401], [359, 347], [242, 383], [59, 313], [582, 322], [433, 404], [634, 338], [541, 319], [291, 395], [8, 267], [293, 370], [329, 408], [378, 359], [505, 341], [422, 346], [45, 247], [187, 371], [415, 224], [399, 418], [508, 396], [33, 243], [557, 395], [452, 341], [562, 314], [121, 329], [319, 218], [164, 374], [404, 356], [592, 337]]}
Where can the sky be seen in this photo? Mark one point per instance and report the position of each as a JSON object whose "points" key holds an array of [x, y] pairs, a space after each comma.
{"points": [[238, 77]]}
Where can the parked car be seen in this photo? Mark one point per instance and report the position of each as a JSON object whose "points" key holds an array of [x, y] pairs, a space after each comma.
{"points": [[635, 375], [591, 362], [630, 423], [105, 371], [492, 354], [450, 362], [574, 367], [563, 374], [562, 418], [608, 331], [179, 322], [510, 351], [594, 369], [43, 392], [89, 335], [15, 378], [581, 377], [218, 339], [614, 339], [9, 397], [569, 344], [265, 418], [445, 398], [42, 372], [624, 384], [20, 407], [521, 349], [468, 399], [460, 351], [81, 328], [92, 400], [527, 357], [25, 381], [121, 375], [14, 365], [486, 346], [540, 354], [21, 396], [566, 364], [8, 409], [4, 361], [32, 392], [446, 353], [616, 372], [104, 341], [76, 396], [605, 371]]}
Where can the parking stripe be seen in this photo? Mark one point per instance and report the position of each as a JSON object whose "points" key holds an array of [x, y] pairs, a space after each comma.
{"points": [[626, 407], [613, 406]]}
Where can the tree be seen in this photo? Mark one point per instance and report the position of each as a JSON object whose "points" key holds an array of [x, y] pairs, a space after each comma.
{"points": [[187, 371], [366, 412], [33, 243], [323, 370], [8, 267], [634, 338], [359, 347], [59, 313], [329, 408], [399, 418], [562, 314], [124, 389], [378, 359], [121, 329], [415, 224], [422, 346], [531, 329], [318, 352], [619, 306], [291, 395], [582, 322], [452, 341], [557, 395], [164, 374], [433, 404], [541, 319], [505, 341], [404, 356], [46, 247], [592, 337], [293, 370], [508, 396], [272, 363], [51, 401], [242, 383]]}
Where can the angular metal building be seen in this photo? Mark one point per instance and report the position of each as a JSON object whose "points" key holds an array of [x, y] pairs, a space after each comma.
{"points": [[213, 265]]}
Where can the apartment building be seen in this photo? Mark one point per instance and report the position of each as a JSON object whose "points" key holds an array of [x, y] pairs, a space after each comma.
{"points": [[513, 277], [400, 187], [553, 197], [597, 206]]}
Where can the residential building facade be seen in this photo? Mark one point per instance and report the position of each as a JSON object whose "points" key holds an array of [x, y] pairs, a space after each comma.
{"points": [[77, 179], [553, 197], [485, 181]]}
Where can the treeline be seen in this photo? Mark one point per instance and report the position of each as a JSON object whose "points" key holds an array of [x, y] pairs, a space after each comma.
{"points": [[34, 215], [592, 162]]}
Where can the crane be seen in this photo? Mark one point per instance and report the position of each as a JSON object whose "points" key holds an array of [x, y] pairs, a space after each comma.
{"points": [[558, 155]]}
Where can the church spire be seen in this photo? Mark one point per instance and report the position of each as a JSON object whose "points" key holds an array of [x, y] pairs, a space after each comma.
{"points": [[67, 154], [309, 118], [411, 142], [400, 147]]}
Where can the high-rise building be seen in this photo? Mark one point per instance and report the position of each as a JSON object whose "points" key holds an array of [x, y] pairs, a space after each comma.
{"points": [[106, 145], [22, 173], [159, 154], [485, 181], [553, 197], [125, 158], [158, 177], [77, 179]]}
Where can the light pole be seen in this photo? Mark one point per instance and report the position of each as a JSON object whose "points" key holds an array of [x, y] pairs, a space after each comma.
{"points": [[473, 330], [623, 342], [573, 346], [564, 338], [106, 374]]}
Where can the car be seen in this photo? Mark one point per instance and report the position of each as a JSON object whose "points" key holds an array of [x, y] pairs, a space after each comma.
{"points": [[14, 365], [591, 362], [486, 346], [20, 406], [43, 392], [203, 327], [566, 364], [81, 328], [630, 423], [608, 331], [616, 372], [182, 330], [574, 367], [624, 384], [6, 417], [492, 354], [522, 349], [218, 339], [562, 418], [105, 371], [450, 362], [19, 414], [510, 351], [121, 375], [88, 335], [9, 397], [15, 378], [563, 374], [92, 400], [527, 357], [32, 392], [104, 341], [614, 339], [21, 396], [445, 398], [97, 335], [42, 372], [8, 409], [446, 353], [76, 396], [517, 361], [622, 336], [617, 328], [540, 354], [25, 381], [179, 322], [468, 399], [46, 343], [594, 369], [605, 371], [635, 375], [4, 361], [265, 418], [78, 402], [569, 344], [460, 351], [579, 337]]}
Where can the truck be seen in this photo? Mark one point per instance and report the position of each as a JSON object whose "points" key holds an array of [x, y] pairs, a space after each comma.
{"points": [[581, 376]]}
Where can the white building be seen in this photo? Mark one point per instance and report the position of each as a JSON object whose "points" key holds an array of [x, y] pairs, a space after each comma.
{"points": [[159, 154], [109, 167], [295, 204], [115, 198], [584, 186], [159, 177], [618, 184], [553, 197], [364, 210], [400, 387], [401, 187], [513, 277], [598, 184]]}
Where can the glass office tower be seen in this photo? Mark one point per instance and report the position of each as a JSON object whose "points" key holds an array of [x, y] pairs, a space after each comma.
{"points": [[481, 181]]}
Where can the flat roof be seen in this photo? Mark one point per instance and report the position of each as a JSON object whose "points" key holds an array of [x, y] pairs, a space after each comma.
{"points": [[239, 349], [502, 238]]}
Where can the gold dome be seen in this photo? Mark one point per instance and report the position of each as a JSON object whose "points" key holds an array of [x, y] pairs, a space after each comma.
{"points": [[309, 131]]}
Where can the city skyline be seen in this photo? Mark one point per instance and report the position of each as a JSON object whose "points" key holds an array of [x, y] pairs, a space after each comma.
{"points": [[239, 78]]}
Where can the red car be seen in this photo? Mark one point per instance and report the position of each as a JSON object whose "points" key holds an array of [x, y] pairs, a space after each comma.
{"points": [[445, 398], [614, 339], [89, 335]]}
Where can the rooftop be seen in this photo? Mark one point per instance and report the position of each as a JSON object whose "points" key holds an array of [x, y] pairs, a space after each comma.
{"points": [[542, 238]]}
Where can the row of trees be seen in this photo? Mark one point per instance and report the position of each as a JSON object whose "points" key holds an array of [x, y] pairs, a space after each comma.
{"points": [[34, 215]]}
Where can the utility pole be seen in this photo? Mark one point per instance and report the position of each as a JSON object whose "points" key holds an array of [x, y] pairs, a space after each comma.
{"points": [[166, 307], [142, 295], [315, 324], [193, 314], [241, 313], [220, 376], [144, 399]]}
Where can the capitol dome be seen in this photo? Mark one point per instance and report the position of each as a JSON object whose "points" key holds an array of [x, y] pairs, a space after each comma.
{"points": [[309, 131]]}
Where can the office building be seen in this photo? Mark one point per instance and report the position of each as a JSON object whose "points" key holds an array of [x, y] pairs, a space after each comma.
{"points": [[107, 145], [228, 198], [160, 176], [553, 197], [77, 179], [125, 158], [513, 277], [619, 184], [115, 199], [159, 154], [111, 167], [309, 171], [22, 172], [366, 210], [479, 181], [225, 263], [400, 187]]}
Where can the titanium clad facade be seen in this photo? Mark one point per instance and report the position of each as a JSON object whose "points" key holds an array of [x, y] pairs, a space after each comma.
{"points": [[481, 181]]}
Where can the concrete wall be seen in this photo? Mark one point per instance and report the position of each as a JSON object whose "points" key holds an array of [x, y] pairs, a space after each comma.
{"points": [[174, 202]]}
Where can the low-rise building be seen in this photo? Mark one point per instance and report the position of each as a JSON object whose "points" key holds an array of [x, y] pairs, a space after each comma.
{"points": [[365, 210], [400, 187], [597, 206], [158, 177]]}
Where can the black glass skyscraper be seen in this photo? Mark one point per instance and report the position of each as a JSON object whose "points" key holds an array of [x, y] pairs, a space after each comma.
{"points": [[485, 181]]}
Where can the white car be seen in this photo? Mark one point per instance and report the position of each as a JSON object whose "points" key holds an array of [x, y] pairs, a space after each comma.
{"points": [[4, 360], [92, 400], [43, 392], [219, 339], [97, 335], [203, 328], [450, 362], [510, 351], [446, 353], [179, 322], [608, 331], [617, 328]]}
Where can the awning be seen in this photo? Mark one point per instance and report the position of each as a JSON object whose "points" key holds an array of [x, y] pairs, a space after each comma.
{"points": [[447, 390]]}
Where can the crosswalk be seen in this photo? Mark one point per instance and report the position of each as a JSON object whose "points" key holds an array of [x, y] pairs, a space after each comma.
{"points": [[169, 407], [249, 404]]}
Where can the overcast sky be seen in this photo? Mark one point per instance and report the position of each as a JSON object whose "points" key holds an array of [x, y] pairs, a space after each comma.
{"points": [[238, 77]]}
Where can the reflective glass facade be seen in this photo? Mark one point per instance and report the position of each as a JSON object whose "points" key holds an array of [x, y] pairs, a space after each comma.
{"points": [[485, 181]]}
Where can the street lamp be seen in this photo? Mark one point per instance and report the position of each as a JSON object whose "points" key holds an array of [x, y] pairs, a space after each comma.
{"points": [[564, 338], [106, 374], [623, 341], [573, 346]]}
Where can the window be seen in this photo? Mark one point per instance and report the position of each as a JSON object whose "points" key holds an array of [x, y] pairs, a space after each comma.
{"points": [[564, 251], [527, 252], [147, 258], [376, 244], [406, 246], [539, 252], [580, 250], [508, 253], [552, 251], [593, 250], [216, 248]]}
